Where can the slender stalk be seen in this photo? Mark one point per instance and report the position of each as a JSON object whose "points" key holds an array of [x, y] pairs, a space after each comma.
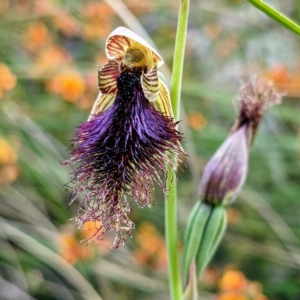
{"points": [[175, 284], [171, 203], [276, 15], [178, 60]]}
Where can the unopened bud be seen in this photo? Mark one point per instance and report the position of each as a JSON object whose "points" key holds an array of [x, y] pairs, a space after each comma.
{"points": [[225, 173]]}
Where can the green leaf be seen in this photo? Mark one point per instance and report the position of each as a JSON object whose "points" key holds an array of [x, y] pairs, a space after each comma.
{"points": [[276, 15]]}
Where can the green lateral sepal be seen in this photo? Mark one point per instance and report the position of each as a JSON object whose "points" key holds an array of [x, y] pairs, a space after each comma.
{"points": [[211, 237], [194, 234]]}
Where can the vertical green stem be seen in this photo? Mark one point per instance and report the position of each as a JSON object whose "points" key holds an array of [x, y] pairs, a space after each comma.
{"points": [[178, 60], [171, 203], [276, 15], [175, 284]]}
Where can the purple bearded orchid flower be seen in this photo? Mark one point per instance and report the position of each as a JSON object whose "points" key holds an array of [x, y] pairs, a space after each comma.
{"points": [[129, 137]]}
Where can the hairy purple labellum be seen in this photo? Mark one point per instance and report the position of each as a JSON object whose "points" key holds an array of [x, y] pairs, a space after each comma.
{"points": [[225, 173], [119, 152]]}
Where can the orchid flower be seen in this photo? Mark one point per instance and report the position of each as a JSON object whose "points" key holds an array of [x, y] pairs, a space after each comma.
{"points": [[128, 139]]}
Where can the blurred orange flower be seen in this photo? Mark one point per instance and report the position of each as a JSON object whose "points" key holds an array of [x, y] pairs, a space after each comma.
{"points": [[37, 35], [9, 174], [152, 248], [196, 120], [233, 216], [232, 296], [70, 85], [284, 81], [98, 20], [9, 171], [53, 58], [74, 244], [7, 79], [73, 251], [235, 286], [90, 230], [233, 280], [8, 154], [280, 75]]}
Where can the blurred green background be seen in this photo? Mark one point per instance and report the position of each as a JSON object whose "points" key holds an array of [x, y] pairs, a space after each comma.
{"points": [[49, 52]]}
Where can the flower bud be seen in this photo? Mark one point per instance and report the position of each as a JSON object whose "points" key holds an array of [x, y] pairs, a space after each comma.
{"points": [[226, 171]]}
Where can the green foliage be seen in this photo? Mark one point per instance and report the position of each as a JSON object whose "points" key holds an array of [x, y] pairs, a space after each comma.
{"points": [[226, 42]]}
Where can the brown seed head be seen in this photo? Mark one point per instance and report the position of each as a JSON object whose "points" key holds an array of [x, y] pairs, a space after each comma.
{"points": [[253, 100]]}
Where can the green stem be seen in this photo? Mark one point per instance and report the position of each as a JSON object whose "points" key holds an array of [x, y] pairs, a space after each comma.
{"points": [[276, 15], [178, 60], [171, 238], [171, 203]]}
